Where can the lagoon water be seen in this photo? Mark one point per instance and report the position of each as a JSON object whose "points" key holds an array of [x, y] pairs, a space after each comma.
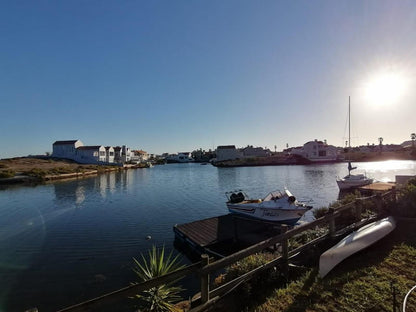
{"points": [[66, 242]]}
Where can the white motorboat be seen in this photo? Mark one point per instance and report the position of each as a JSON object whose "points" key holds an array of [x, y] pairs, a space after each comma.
{"points": [[276, 206], [356, 241], [353, 180]]}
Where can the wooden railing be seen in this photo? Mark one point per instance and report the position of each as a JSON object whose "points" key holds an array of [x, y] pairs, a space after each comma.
{"points": [[208, 266]]}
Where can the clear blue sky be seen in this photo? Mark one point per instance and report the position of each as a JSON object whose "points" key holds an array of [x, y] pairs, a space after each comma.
{"points": [[170, 76]]}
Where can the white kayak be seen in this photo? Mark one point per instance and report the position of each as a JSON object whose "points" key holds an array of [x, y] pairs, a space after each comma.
{"points": [[356, 241]]}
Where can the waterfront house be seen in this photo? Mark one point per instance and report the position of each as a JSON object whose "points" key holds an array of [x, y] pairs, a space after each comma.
{"points": [[316, 151], [125, 154], [66, 149], [91, 154], [251, 151], [117, 154], [139, 156], [228, 152], [109, 154]]}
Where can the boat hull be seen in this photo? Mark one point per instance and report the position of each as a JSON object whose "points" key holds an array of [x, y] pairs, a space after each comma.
{"points": [[356, 241], [345, 185], [289, 216]]}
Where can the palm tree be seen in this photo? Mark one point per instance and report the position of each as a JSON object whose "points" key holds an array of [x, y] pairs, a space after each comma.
{"points": [[159, 298], [380, 140]]}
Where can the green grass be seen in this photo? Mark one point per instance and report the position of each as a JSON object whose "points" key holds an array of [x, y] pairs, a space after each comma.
{"points": [[363, 282]]}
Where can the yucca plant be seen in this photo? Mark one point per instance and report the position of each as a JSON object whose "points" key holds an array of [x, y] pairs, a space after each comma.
{"points": [[160, 298]]}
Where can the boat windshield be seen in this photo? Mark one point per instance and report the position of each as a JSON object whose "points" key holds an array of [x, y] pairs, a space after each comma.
{"points": [[273, 195]]}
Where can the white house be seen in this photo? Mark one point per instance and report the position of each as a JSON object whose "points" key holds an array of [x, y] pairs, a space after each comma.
{"points": [[317, 151], [125, 154], [91, 154], [139, 156], [109, 154], [66, 149]]}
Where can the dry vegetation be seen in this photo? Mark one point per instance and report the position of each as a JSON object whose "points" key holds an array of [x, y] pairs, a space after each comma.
{"points": [[40, 167]]}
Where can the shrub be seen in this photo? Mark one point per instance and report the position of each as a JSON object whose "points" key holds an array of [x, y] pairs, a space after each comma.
{"points": [[406, 204], [7, 174], [320, 212], [248, 290], [36, 172]]}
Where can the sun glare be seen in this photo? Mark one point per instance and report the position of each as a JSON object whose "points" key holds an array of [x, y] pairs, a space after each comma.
{"points": [[385, 88]]}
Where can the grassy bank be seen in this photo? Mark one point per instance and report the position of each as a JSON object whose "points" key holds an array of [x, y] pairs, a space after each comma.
{"points": [[375, 279], [363, 282], [40, 168]]}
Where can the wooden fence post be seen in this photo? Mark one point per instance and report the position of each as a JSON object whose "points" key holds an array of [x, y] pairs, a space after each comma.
{"points": [[332, 230], [204, 280], [379, 203], [285, 253], [358, 210]]}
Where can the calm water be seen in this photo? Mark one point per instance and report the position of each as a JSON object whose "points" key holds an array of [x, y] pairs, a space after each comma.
{"points": [[66, 242]]}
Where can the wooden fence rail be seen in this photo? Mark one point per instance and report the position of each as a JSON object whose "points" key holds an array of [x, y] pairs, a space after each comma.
{"points": [[206, 266]]}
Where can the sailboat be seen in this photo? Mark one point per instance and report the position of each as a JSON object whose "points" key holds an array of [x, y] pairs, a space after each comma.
{"points": [[352, 180]]}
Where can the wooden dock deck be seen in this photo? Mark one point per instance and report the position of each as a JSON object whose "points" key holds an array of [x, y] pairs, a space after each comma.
{"points": [[378, 187], [223, 235]]}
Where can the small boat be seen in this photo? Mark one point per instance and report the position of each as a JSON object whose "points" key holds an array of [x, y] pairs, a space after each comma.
{"points": [[356, 241], [276, 206], [353, 180]]}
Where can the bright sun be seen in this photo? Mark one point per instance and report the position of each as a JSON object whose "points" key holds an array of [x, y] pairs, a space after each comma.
{"points": [[385, 88]]}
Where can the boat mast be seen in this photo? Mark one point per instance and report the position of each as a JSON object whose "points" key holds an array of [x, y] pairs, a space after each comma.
{"points": [[349, 122]]}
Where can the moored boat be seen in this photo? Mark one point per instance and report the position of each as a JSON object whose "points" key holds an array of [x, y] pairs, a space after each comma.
{"points": [[356, 241], [277, 206], [353, 180]]}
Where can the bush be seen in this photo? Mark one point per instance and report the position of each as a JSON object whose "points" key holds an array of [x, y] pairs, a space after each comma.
{"points": [[320, 212], [256, 283], [7, 174], [406, 204], [36, 172]]}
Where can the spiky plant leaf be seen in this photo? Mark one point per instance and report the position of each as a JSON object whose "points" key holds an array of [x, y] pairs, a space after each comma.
{"points": [[159, 298]]}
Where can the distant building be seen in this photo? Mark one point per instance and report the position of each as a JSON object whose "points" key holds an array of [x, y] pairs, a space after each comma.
{"points": [[228, 152], [251, 151], [95, 154], [109, 151], [66, 149], [139, 156], [91, 154], [316, 151], [183, 157]]}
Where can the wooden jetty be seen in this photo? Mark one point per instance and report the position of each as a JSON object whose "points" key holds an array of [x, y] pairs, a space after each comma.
{"points": [[377, 187], [222, 235]]}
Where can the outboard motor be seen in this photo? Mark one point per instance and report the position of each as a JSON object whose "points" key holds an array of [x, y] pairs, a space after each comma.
{"points": [[236, 198], [291, 198]]}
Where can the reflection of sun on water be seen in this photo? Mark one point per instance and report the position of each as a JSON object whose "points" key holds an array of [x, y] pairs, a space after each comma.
{"points": [[386, 88], [385, 171]]}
